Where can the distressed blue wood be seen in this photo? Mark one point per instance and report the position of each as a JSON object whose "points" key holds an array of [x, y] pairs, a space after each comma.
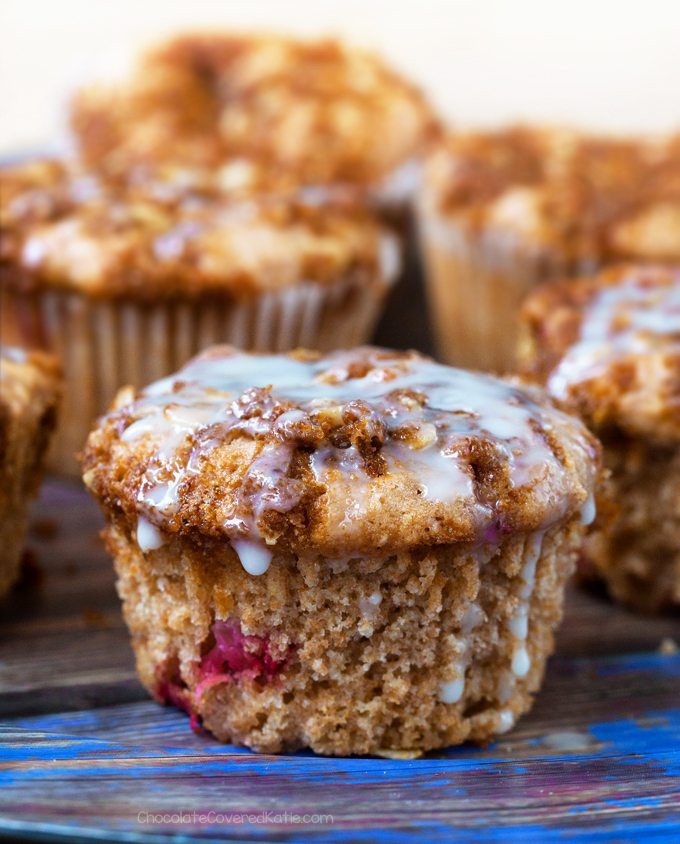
{"points": [[597, 758]]}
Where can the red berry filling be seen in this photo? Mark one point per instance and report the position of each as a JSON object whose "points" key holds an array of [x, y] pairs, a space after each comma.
{"points": [[235, 656]]}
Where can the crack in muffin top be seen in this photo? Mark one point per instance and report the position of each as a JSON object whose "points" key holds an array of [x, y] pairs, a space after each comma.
{"points": [[166, 232], [583, 197], [318, 109], [359, 450], [609, 347]]}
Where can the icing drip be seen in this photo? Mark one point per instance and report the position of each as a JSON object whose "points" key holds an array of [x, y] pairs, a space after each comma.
{"points": [[588, 511], [519, 623], [416, 417], [626, 319], [452, 691], [254, 556], [149, 537], [506, 721]]}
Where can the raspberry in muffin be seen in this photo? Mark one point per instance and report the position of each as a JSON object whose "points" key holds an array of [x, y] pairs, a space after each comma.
{"points": [[503, 211], [315, 112], [608, 348], [29, 394], [126, 278], [356, 553]]}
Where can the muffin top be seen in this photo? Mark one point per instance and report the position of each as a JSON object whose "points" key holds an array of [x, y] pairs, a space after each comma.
{"points": [[361, 451], [165, 232], [609, 348], [583, 198], [317, 109]]}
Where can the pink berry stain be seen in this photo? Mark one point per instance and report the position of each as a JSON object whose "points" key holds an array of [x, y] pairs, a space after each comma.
{"points": [[233, 657]]}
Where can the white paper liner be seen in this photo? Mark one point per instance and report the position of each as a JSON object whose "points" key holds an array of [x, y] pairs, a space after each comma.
{"points": [[104, 345], [476, 283]]}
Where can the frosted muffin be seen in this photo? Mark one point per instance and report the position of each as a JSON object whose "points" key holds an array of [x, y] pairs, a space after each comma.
{"points": [[358, 553], [29, 393], [126, 279], [501, 212], [608, 347], [316, 112]]}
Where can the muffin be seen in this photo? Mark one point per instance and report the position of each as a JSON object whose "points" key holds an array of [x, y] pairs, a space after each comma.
{"points": [[608, 348], [128, 278], [313, 112], [357, 553], [501, 212], [29, 393]]}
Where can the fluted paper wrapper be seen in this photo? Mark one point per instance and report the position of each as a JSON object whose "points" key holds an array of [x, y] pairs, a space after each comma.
{"points": [[476, 283], [107, 344]]}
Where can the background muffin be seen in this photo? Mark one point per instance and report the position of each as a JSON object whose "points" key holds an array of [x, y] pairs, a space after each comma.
{"points": [[359, 552], [127, 278], [503, 211], [316, 112], [608, 347], [29, 392]]}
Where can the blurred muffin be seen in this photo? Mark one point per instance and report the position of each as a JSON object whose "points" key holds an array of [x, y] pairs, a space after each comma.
{"points": [[313, 112], [358, 553], [503, 211], [127, 279], [29, 392], [608, 347]]}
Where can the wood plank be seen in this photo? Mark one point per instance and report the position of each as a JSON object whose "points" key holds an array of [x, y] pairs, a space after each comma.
{"points": [[83, 751]]}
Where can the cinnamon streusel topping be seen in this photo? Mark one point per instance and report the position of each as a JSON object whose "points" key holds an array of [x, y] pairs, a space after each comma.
{"points": [[362, 450], [317, 109], [168, 232], [609, 346], [586, 197]]}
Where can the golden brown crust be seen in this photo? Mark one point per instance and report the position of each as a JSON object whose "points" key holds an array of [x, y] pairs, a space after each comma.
{"points": [[609, 348], [172, 232], [29, 394], [348, 453], [315, 109], [582, 198]]}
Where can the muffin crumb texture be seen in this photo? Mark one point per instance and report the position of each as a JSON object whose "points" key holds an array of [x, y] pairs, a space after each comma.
{"points": [[29, 393]]}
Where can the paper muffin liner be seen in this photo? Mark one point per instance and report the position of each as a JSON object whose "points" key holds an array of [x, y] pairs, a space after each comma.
{"points": [[106, 344], [476, 282]]}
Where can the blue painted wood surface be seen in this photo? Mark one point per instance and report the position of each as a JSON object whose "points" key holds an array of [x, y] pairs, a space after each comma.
{"points": [[598, 758]]}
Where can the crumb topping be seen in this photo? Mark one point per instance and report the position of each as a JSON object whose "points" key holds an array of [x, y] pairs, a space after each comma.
{"points": [[175, 232], [316, 109], [609, 346], [586, 197], [361, 449]]}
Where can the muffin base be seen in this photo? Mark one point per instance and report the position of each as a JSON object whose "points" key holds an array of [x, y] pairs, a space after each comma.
{"points": [[411, 652], [107, 344], [476, 282], [635, 549], [23, 439]]}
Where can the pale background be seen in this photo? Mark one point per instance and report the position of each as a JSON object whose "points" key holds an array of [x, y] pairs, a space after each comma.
{"points": [[612, 64]]}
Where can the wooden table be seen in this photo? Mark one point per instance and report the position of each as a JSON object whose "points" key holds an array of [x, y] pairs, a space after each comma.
{"points": [[85, 755]]}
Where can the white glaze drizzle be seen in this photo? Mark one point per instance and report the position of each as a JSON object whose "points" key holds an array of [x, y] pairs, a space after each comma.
{"points": [[629, 318], [149, 537], [451, 691], [518, 624], [454, 405]]}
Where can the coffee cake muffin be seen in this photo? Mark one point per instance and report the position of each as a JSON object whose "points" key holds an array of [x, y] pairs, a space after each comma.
{"points": [[503, 211], [358, 553], [313, 112], [29, 393], [608, 348], [127, 278]]}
